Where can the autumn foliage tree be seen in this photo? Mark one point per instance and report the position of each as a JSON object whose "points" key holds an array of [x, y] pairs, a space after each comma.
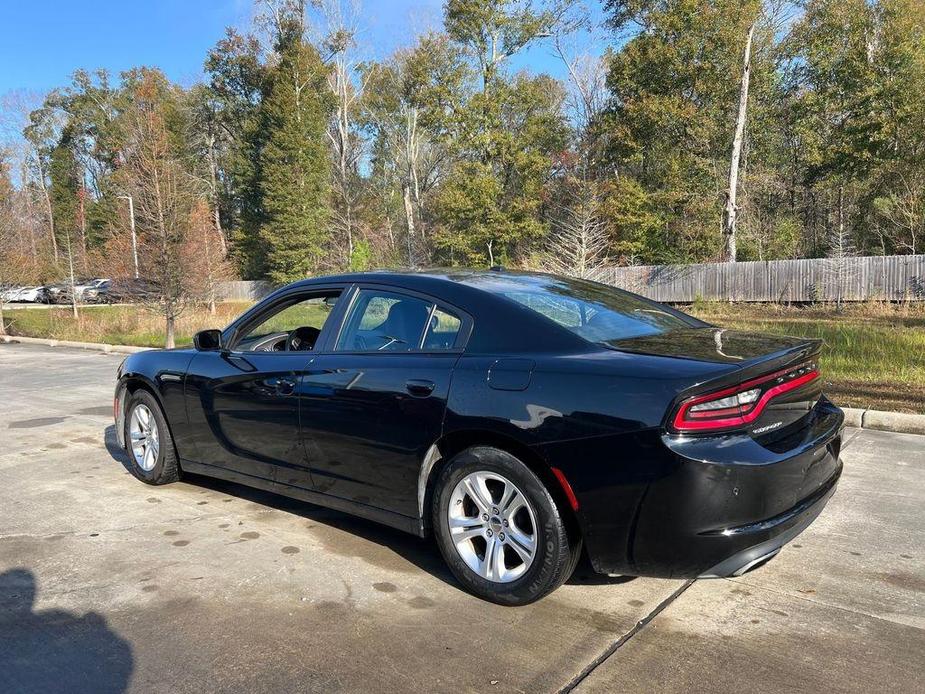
{"points": [[205, 262], [163, 197]]}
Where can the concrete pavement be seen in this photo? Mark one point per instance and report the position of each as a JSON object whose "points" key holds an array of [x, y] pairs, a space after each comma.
{"points": [[207, 586]]}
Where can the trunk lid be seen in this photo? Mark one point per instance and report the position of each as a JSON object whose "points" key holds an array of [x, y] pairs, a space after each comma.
{"points": [[713, 344], [779, 367]]}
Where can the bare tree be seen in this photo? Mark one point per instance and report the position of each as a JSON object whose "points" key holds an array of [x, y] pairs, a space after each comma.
{"points": [[204, 264], [399, 107], [39, 171], [208, 139], [577, 243], [162, 198], [904, 210], [838, 269], [69, 249], [7, 231], [730, 211], [340, 24], [573, 32]]}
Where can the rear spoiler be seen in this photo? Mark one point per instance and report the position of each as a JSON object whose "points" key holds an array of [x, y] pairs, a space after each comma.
{"points": [[774, 363]]}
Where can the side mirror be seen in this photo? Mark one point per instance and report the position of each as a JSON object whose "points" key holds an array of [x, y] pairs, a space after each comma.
{"points": [[208, 340]]}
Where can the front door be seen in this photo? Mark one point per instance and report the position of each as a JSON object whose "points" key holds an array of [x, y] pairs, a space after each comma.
{"points": [[373, 405], [243, 402]]}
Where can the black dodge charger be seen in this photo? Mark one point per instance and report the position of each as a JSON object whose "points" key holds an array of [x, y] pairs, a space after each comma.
{"points": [[516, 417]]}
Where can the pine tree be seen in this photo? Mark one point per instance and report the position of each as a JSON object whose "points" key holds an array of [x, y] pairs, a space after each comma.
{"points": [[294, 163]]}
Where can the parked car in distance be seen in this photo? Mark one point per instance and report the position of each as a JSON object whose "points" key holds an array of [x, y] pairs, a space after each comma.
{"points": [[7, 292], [126, 290], [30, 295], [58, 293], [86, 290], [96, 291], [23, 294], [517, 417]]}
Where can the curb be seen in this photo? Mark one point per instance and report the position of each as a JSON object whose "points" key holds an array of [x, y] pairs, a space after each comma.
{"points": [[897, 422], [94, 346]]}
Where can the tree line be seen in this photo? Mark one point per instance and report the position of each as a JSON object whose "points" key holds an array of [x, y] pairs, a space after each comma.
{"points": [[708, 130]]}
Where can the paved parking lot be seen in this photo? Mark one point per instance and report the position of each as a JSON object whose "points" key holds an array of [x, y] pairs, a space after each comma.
{"points": [[110, 585]]}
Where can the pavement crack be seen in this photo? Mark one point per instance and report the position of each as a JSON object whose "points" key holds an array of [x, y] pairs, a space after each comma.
{"points": [[620, 642], [847, 442]]}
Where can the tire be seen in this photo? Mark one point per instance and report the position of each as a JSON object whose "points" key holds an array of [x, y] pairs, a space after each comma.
{"points": [[154, 462], [523, 572]]}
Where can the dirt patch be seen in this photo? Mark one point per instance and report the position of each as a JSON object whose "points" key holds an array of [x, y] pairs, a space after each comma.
{"points": [[104, 411], [903, 579], [34, 423]]}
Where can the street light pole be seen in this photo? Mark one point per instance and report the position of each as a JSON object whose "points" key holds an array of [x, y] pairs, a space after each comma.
{"points": [[131, 217]]}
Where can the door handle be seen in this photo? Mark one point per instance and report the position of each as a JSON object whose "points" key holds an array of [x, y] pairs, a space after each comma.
{"points": [[419, 387]]}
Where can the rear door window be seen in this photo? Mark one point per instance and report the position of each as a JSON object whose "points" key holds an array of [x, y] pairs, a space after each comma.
{"points": [[382, 321], [442, 331]]}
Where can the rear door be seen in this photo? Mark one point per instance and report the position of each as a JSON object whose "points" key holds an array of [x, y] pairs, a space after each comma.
{"points": [[374, 403], [243, 402]]}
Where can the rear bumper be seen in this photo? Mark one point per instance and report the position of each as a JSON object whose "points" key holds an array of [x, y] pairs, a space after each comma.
{"points": [[778, 531], [719, 505]]}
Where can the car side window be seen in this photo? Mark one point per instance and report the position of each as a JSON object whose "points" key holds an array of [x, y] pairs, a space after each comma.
{"points": [[442, 331], [294, 327], [381, 321]]}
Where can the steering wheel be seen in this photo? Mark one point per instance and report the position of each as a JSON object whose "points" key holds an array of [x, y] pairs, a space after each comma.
{"points": [[302, 339]]}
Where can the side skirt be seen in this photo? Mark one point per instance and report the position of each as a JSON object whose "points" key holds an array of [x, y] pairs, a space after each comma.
{"points": [[394, 520]]}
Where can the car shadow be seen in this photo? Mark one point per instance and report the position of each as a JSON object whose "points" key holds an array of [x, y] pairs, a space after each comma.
{"points": [[584, 575], [423, 553], [115, 450], [55, 650]]}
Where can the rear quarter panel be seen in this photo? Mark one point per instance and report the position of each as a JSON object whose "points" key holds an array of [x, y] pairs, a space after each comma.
{"points": [[597, 416]]}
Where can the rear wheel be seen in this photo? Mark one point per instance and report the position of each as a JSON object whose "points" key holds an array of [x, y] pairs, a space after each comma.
{"points": [[148, 441], [499, 529]]}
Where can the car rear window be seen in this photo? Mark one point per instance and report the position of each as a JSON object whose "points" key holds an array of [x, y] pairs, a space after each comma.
{"points": [[598, 313]]}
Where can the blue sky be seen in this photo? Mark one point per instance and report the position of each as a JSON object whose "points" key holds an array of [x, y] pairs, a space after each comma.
{"points": [[42, 43]]}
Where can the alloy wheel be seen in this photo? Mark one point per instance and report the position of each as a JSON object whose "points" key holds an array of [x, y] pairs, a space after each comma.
{"points": [[492, 526], [144, 436]]}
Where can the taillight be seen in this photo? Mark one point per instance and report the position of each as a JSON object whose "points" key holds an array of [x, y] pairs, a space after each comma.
{"points": [[739, 405]]}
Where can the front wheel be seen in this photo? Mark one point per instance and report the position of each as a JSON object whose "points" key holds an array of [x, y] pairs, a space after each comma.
{"points": [[148, 441], [499, 529]]}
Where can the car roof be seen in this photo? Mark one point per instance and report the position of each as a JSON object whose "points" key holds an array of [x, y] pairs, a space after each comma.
{"points": [[490, 281]]}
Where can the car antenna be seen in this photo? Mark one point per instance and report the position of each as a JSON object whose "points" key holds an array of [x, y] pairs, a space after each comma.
{"points": [[496, 268]]}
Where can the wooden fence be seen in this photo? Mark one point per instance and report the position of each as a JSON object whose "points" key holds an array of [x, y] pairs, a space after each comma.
{"points": [[891, 278], [243, 290]]}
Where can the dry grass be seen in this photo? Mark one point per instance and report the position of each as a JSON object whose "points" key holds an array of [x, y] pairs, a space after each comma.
{"points": [[874, 353], [118, 325]]}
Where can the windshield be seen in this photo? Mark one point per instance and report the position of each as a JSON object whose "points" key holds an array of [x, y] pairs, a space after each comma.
{"points": [[596, 312]]}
